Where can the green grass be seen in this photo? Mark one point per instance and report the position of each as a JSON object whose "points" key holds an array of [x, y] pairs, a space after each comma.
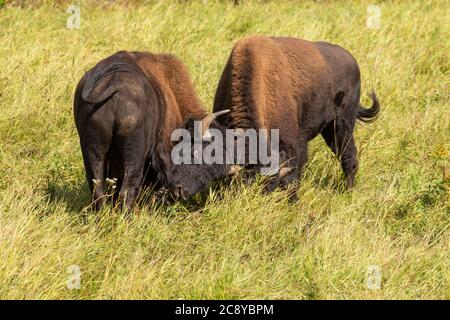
{"points": [[235, 243]]}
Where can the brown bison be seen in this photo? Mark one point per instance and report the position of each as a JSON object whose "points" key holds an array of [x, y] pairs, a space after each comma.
{"points": [[300, 87], [126, 108]]}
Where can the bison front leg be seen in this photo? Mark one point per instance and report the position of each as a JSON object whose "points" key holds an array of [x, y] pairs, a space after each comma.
{"points": [[291, 171], [292, 179]]}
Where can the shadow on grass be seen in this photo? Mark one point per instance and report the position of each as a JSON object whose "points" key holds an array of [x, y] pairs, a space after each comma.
{"points": [[164, 204], [326, 177], [75, 197]]}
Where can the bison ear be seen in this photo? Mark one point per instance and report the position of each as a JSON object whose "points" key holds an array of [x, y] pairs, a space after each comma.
{"points": [[189, 123], [233, 169]]}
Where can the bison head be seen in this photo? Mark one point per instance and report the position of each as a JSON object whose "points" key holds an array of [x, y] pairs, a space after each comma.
{"points": [[196, 171]]}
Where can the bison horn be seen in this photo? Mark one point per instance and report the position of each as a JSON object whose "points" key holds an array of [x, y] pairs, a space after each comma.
{"points": [[285, 171], [206, 122], [234, 169]]}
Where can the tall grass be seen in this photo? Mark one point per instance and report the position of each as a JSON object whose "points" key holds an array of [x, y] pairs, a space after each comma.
{"points": [[234, 242]]}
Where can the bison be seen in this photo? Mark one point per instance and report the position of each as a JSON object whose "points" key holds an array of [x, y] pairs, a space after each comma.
{"points": [[300, 87], [125, 110]]}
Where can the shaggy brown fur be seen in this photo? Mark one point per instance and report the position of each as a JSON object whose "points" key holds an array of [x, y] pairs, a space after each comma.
{"points": [[125, 109], [300, 87], [176, 87]]}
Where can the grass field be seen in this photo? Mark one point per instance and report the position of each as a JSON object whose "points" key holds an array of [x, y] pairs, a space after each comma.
{"points": [[234, 243]]}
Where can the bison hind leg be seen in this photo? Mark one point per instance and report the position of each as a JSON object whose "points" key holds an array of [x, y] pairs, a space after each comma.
{"points": [[339, 137], [94, 157], [133, 158]]}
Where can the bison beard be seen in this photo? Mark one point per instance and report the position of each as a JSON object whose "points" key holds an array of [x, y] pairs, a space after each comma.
{"points": [[300, 87], [125, 110]]}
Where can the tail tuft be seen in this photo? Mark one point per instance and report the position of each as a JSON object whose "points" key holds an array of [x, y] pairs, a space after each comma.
{"points": [[369, 115]]}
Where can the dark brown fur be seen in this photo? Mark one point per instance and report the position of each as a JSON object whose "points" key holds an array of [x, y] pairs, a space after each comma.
{"points": [[125, 110]]}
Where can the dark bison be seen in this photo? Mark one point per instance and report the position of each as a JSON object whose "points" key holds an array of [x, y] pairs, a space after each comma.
{"points": [[126, 108], [300, 87]]}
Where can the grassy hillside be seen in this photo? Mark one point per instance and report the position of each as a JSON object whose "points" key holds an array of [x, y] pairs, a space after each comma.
{"points": [[233, 243]]}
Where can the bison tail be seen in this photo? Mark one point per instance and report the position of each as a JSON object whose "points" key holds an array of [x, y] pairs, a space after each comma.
{"points": [[369, 115], [97, 78]]}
